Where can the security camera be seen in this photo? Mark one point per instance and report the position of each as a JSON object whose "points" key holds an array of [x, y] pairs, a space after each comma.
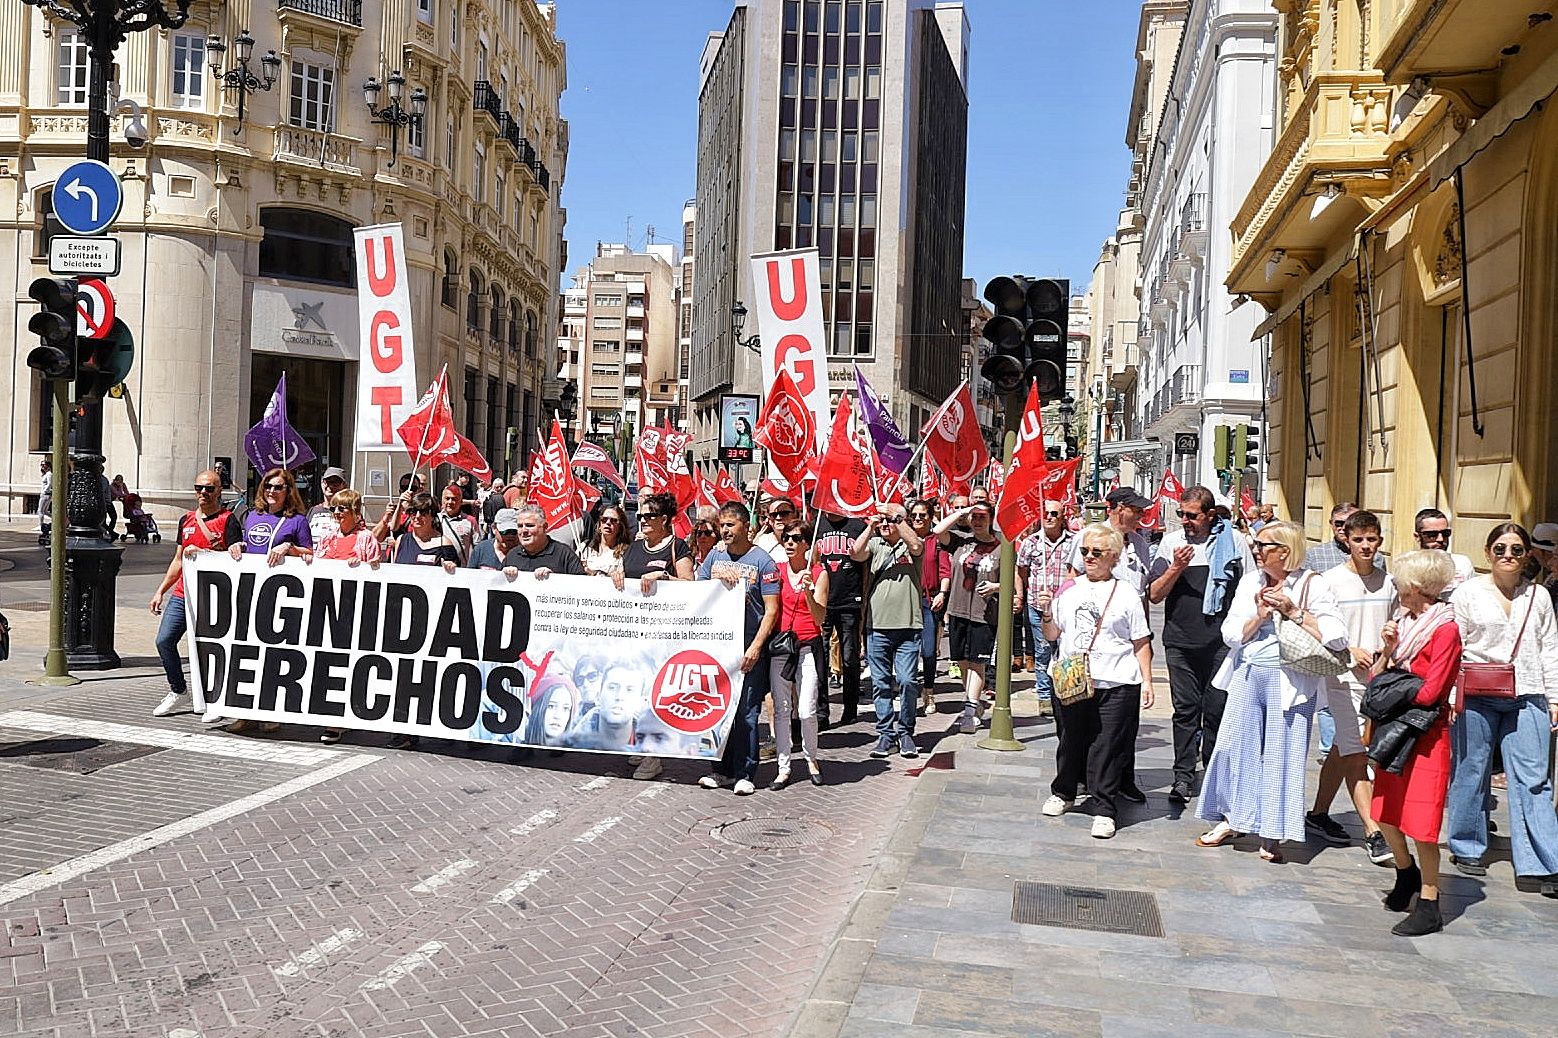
{"points": [[135, 134]]}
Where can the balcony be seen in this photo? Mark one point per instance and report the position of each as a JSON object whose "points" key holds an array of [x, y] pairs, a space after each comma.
{"points": [[635, 357], [1193, 234], [316, 149], [486, 99], [346, 12], [543, 177], [1465, 39], [508, 131], [636, 310], [1185, 387], [635, 335]]}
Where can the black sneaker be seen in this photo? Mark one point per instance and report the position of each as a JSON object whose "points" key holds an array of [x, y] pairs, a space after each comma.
{"points": [[1378, 850], [1537, 885], [1324, 825], [1180, 793], [1469, 866], [1133, 794]]}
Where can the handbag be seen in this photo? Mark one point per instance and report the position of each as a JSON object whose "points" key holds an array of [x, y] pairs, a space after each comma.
{"points": [[1072, 674], [785, 643], [1303, 652], [1495, 680]]}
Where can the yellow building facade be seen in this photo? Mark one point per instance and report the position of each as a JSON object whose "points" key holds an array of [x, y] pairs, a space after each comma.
{"points": [[1402, 237]]}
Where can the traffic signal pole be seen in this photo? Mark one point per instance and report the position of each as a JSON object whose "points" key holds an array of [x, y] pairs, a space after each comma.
{"points": [[56, 671], [1002, 732]]}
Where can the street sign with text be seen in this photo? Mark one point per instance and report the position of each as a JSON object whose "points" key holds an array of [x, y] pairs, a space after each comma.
{"points": [[95, 256], [87, 197], [1187, 443]]}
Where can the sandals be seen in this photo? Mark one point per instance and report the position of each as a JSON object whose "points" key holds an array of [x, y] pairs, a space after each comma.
{"points": [[1271, 852], [1218, 835]]}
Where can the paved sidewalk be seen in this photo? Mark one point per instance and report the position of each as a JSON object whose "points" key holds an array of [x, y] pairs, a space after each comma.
{"points": [[1249, 947]]}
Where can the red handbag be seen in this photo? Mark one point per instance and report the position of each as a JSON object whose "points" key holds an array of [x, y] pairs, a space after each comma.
{"points": [[1494, 680]]}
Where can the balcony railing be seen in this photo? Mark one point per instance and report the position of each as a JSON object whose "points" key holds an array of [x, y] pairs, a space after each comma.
{"points": [[315, 148], [348, 12], [543, 177], [1193, 216], [508, 130], [487, 100]]}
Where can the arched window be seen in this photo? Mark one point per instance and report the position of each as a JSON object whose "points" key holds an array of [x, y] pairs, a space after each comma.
{"points": [[495, 316], [302, 245], [473, 301], [530, 333], [451, 289], [513, 329]]}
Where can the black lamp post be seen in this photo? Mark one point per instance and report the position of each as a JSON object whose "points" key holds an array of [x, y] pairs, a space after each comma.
{"points": [[393, 115], [738, 321], [241, 78]]}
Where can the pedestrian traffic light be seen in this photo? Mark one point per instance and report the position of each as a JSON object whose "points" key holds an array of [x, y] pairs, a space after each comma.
{"points": [[1049, 306], [55, 326], [1222, 448], [1028, 331], [1246, 446], [95, 372]]}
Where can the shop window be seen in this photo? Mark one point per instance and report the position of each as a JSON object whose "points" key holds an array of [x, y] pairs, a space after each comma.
{"points": [[303, 245]]}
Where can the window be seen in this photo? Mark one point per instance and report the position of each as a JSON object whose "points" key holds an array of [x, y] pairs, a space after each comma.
{"points": [[869, 147], [788, 77], [842, 338], [303, 245], [425, 10], [454, 28], [867, 275], [416, 138], [873, 81], [792, 15], [851, 84], [849, 147], [481, 61], [809, 81], [786, 145], [846, 210], [825, 210], [189, 64], [786, 207], [473, 300], [479, 173], [830, 83], [846, 276], [868, 210], [604, 371], [803, 213], [874, 16], [607, 346], [499, 193], [513, 340], [608, 300], [831, 19], [74, 66], [808, 145], [495, 314], [451, 286], [852, 17], [313, 97], [607, 323], [535, 228], [830, 146]]}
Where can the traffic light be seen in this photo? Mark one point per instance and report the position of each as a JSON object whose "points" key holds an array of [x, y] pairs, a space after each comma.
{"points": [[1222, 448], [1028, 332], [55, 326], [95, 374], [1246, 446]]}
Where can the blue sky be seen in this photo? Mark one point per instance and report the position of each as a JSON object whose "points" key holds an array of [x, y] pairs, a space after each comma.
{"points": [[1049, 86]]}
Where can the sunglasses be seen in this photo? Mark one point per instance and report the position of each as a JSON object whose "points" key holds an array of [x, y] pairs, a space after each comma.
{"points": [[781, 515], [1263, 545], [1190, 515], [793, 538], [205, 488], [1513, 551], [919, 517], [1093, 553], [1338, 523], [1435, 535], [613, 520], [704, 531], [340, 509], [644, 517], [1053, 515], [419, 511], [275, 486]]}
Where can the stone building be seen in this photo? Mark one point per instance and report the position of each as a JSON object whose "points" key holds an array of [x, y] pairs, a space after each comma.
{"points": [[237, 233], [1400, 237]]}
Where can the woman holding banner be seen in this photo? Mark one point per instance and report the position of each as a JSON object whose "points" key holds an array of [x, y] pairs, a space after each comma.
{"points": [[352, 543], [657, 554], [796, 648], [423, 543], [602, 555]]}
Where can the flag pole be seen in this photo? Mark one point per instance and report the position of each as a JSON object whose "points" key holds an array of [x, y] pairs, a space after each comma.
{"points": [[925, 439]]}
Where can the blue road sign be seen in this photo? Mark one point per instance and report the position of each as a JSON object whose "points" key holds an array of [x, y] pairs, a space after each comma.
{"points": [[87, 197]]}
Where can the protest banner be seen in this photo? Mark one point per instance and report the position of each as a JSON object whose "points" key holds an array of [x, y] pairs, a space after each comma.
{"points": [[788, 290], [565, 662], [387, 367]]}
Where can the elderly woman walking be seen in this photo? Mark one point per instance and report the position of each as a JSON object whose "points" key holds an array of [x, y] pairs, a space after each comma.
{"points": [[1425, 640], [1255, 779], [1101, 618]]}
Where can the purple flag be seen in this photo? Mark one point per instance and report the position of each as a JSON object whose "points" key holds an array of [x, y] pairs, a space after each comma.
{"points": [[273, 443], [891, 447]]}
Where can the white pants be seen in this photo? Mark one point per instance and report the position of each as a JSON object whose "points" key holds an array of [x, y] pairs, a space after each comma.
{"points": [[803, 692]]}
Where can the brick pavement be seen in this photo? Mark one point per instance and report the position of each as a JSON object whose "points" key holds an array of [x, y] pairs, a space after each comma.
{"points": [[443, 892], [1250, 948]]}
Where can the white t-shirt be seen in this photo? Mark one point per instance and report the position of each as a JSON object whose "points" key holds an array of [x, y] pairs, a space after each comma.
{"points": [[1133, 563], [1366, 604], [1113, 660]]}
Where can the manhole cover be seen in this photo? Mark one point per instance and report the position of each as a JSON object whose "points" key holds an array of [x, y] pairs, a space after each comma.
{"points": [[79, 756], [1087, 908], [28, 607], [773, 833]]}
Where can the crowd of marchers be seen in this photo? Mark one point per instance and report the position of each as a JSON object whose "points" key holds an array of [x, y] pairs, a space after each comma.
{"points": [[1426, 688]]}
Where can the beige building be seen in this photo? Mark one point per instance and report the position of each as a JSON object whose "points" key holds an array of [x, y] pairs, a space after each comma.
{"points": [[237, 235], [1400, 236]]}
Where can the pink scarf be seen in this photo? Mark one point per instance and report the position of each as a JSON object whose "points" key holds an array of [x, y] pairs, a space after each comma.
{"points": [[1414, 632]]}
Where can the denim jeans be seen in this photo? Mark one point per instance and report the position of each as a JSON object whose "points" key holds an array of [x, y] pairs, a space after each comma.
{"points": [[1327, 726], [1043, 652], [894, 658], [1520, 728], [739, 761], [169, 634]]}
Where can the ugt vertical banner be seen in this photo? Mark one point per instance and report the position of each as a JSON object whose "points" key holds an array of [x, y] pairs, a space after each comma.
{"points": [[386, 364], [789, 319]]}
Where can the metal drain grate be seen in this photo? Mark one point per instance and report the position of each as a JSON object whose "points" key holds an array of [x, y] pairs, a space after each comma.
{"points": [[1087, 908], [773, 833], [27, 607], [76, 755]]}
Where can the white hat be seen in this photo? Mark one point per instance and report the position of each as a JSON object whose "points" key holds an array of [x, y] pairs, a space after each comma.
{"points": [[1545, 535]]}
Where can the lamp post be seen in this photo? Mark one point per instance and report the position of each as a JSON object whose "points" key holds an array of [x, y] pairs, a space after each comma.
{"points": [[738, 320], [241, 78], [393, 115]]}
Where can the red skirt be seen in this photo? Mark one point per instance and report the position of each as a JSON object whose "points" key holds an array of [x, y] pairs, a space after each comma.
{"points": [[1413, 801]]}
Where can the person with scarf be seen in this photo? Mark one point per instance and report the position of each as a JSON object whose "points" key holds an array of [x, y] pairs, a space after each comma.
{"points": [[1424, 639]]}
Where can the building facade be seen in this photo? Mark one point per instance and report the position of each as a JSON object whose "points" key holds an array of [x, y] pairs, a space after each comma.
{"points": [[839, 126], [237, 234], [1399, 237], [1200, 367]]}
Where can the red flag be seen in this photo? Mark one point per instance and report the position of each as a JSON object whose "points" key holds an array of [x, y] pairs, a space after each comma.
{"points": [[777, 489], [1060, 482], [995, 478], [593, 456], [955, 441], [682, 483], [705, 494], [429, 435], [466, 456], [847, 477], [584, 495], [930, 480], [649, 462], [787, 429], [1020, 499], [551, 484], [1247, 504], [1155, 516], [725, 489]]}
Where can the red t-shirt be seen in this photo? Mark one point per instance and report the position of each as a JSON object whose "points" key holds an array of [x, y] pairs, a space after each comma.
{"points": [[794, 614], [225, 532]]}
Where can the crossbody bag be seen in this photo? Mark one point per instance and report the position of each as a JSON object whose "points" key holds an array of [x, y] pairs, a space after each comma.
{"points": [[1073, 673], [1495, 680]]}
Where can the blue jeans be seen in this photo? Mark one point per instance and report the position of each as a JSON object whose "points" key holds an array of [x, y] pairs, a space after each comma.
{"points": [[894, 658], [1043, 652], [739, 761], [169, 634], [1520, 728], [1327, 725]]}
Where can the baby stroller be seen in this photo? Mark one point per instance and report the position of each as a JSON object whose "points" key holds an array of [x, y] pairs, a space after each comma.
{"points": [[138, 522]]}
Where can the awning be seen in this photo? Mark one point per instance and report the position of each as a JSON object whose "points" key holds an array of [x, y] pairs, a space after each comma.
{"points": [[1495, 122], [1314, 283]]}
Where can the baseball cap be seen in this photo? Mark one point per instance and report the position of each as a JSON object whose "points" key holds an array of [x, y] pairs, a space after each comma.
{"points": [[334, 473], [506, 521], [1129, 497], [1545, 536]]}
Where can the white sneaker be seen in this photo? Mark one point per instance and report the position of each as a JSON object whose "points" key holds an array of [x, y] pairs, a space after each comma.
{"points": [[744, 788], [212, 716], [716, 782], [648, 768], [1056, 806], [1103, 828], [172, 703], [968, 724]]}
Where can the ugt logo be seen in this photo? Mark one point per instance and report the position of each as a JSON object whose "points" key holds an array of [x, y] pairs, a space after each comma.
{"points": [[691, 692]]}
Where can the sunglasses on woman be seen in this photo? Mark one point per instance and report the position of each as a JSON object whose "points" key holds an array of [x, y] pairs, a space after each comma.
{"points": [[704, 531], [275, 486], [419, 511], [1513, 551], [613, 520], [1263, 545], [792, 538], [1093, 553], [341, 509], [644, 517]]}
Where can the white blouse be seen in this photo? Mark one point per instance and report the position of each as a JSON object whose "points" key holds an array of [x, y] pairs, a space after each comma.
{"points": [[1488, 636], [1301, 585]]}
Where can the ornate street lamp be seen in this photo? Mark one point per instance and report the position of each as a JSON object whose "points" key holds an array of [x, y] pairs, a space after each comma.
{"points": [[738, 320], [241, 78], [393, 115]]}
